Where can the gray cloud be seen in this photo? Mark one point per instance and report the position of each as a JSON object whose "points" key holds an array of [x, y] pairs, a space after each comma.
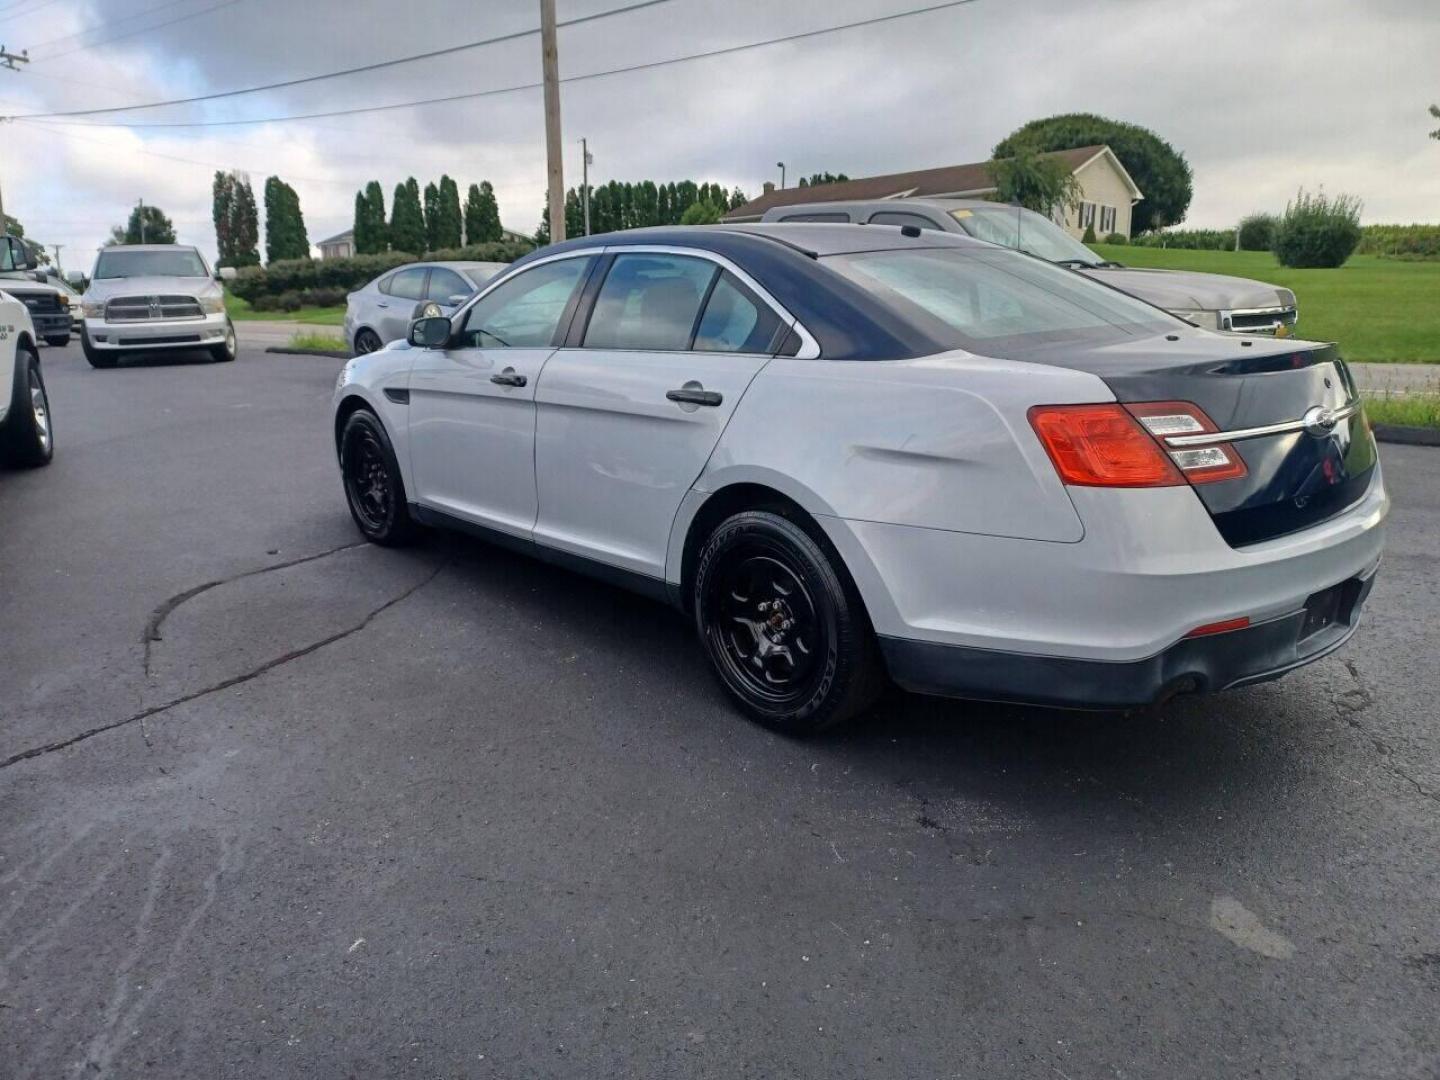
{"points": [[1262, 97]]}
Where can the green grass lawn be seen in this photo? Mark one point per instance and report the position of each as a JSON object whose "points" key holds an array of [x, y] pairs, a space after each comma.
{"points": [[1411, 410], [1377, 309], [319, 316]]}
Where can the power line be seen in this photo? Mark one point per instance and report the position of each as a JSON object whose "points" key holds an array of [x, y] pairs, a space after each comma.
{"points": [[131, 33], [447, 51], [728, 51], [9, 12]]}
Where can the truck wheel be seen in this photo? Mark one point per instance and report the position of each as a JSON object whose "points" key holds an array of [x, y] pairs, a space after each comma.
{"points": [[224, 353], [97, 357], [27, 437], [58, 340]]}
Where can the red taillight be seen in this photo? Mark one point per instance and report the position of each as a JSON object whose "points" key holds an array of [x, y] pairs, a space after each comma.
{"points": [[1201, 463], [1102, 446], [1223, 627]]}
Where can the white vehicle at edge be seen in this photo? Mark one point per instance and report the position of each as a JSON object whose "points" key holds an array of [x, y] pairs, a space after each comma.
{"points": [[26, 431], [856, 451], [153, 297]]}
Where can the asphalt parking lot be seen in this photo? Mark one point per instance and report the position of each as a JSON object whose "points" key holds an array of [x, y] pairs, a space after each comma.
{"points": [[447, 812]]}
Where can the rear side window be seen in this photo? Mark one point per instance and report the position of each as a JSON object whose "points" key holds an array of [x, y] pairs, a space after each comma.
{"points": [[406, 284], [525, 311], [446, 283], [649, 302], [735, 320], [890, 217], [839, 216]]}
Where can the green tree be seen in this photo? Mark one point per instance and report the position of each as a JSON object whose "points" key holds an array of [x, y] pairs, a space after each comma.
{"points": [[371, 232], [452, 225], [159, 229], [432, 217], [1029, 179], [700, 213], [1158, 169], [245, 224], [482, 215], [816, 179], [1435, 112], [285, 236], [222, 212], [407, 219]]}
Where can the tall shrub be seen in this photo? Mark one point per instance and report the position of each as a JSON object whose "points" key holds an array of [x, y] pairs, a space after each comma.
{"points": [[407, 220], [1318, 230], [371, 232], [285, 236], [482, 214], [1257, 232]]}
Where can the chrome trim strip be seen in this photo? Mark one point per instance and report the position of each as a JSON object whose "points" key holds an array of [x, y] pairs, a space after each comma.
{"points": [[1210, 438]]}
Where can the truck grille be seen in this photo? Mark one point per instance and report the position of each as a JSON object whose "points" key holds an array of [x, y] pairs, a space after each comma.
{"points": [[146, 308], [40, 303], [1257, 321]]}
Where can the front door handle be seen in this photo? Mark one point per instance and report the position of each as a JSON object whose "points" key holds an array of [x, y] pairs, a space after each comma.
{"points": [[689, 396], [508, 378]]}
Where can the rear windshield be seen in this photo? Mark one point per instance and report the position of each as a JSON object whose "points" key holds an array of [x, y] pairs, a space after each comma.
{"points": [[985, 299], [127, 264]]}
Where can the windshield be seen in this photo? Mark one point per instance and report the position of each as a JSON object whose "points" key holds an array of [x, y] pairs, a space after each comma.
{"points": [[127, 264], [1024, 230], [979, 299]]}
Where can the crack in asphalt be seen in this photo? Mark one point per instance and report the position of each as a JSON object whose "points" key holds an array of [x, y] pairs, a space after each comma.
{"points": [[1355, 701], [225, 684], [151, 633]]}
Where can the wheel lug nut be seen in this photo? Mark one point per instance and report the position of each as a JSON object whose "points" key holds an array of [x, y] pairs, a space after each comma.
{"points": [[785, 625], [764, 605]]}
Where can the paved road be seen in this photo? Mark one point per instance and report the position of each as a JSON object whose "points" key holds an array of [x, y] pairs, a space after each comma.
{"points": [[452, 813]]}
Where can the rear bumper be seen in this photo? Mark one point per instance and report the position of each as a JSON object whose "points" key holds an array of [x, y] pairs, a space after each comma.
{"points": [[157, 334], [1192, 665]]}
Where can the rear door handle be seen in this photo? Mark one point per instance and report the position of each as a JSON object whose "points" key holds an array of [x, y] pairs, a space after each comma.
{"points": [[688, 396], [508, 378]]}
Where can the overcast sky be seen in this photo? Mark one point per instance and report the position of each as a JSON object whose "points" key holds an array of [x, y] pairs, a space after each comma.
{"points": [[1262, 96]]}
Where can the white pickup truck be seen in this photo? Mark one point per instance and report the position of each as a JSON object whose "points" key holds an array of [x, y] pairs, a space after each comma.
{"points": [[26, 438]]}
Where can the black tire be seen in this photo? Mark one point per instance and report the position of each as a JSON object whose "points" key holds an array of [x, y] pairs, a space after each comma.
{"points": [[224, 353], [27, 438], [98, 358], [366, 341], [802, 666], [374, 489], [58, 340]]}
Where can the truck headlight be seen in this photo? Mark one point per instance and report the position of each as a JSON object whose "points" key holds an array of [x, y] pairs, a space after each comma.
{"points": [[1210, 320], [92, 309], [212, 305]]}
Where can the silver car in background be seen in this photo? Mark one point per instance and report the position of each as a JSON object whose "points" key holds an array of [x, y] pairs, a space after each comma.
{"points": [[1211, 301], [381, 311]]}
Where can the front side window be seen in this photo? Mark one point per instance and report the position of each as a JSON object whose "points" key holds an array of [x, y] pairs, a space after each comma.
{"points": [[525, 311], [736, 321], [1024, 230], [444, 284], [408, 284], [972, 299], [129, 264], [890, 217], [649, 302]]}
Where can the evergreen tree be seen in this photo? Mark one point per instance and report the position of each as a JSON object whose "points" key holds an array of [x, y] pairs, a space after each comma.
{"points": [[482, 215], [407, 219], [222, 210], [574, 214], [159, 229], [432, 217], [450, 230], [245, 224], [285, 236], [371, 232]]}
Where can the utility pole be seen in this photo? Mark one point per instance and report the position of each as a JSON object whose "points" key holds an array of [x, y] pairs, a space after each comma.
{"points": [[10, 60], [550, 61], [58, 268], [781, 166], [586, 160]]}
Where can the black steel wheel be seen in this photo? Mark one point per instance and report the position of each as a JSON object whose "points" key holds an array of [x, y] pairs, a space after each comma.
{"points": [[366, 341], [27, 438], [784, 628], [373, 487]]}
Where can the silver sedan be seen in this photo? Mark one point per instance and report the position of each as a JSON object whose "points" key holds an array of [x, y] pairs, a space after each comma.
{"points": [[381, 311]]}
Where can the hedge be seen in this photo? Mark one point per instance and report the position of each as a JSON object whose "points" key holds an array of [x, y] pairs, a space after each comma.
{"points": [[1189, 239], [259, 285], [1400, 241]]}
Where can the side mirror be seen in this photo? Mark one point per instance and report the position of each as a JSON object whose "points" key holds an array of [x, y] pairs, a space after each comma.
{"points": [[426, 309], [431, 332], [74, 277], [225, 273], [458, 299]]}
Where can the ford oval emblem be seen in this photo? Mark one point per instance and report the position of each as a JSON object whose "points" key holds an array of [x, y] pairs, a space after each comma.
{"points": [[1319, 421]]}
